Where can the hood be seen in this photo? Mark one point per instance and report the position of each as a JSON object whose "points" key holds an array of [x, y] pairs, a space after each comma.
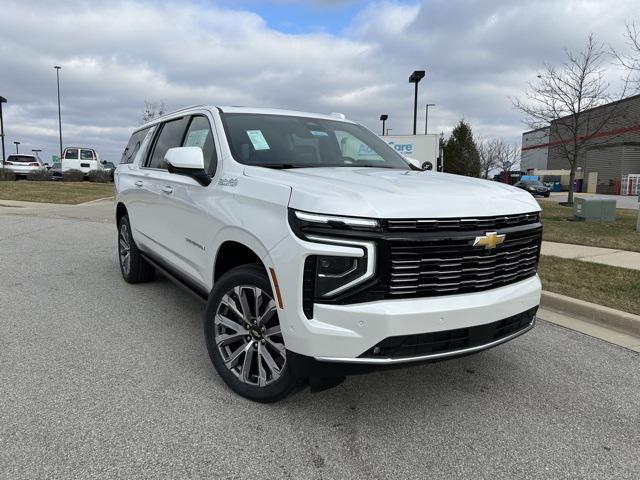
{"points": [[388, 193]]}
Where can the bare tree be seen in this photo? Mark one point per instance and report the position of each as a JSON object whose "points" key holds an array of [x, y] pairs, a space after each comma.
{"points": [[487, 153], [507, 155], [152, 110], [497, 154], [631, 61], [565, 97]]}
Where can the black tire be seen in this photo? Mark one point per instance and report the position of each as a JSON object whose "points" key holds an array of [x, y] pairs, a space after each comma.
{"points": [[251, 344], [136, 269]]}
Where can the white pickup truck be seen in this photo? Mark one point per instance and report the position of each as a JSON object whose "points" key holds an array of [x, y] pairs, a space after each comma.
{"points": [[316, 263]]}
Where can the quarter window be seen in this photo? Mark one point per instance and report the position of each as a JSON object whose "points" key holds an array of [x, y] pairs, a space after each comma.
{"points": [[199, 134], [170, 136], [133, 146]]}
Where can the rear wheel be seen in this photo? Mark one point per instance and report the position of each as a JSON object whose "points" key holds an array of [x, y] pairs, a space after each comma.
{"points": [[244, 337], [134, 268]]}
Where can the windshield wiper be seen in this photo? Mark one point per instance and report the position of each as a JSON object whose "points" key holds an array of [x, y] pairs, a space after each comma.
{"points": [[277, 165], [367, 165]]}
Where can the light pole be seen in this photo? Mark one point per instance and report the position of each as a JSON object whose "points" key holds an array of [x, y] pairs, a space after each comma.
{"points": [[57, 67], [36, 152], [384, 119], [16, 144], [426, 116], [388, 130], [415, 78], [2, 100]]}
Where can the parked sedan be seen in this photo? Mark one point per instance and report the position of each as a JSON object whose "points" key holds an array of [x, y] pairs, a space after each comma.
{"points": [[55, 172], [534, 187], [108, 167], [24, 165]]}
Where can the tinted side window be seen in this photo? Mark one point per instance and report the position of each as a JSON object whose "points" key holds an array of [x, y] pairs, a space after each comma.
{"points": [[133, 146], [170, 136], [199, 134], [71, 154]]}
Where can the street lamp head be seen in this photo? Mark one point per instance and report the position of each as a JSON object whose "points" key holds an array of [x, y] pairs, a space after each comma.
{"points": [[3, 100], [17, 143], [384, 117], [431, 104], [416, 76], [57, 67]]}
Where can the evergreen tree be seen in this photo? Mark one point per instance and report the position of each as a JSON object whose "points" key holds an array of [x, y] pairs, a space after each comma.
{"points": [[461, 153]]}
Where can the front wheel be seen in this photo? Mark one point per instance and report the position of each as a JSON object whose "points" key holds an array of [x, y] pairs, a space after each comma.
{"points": [[244, 337]]}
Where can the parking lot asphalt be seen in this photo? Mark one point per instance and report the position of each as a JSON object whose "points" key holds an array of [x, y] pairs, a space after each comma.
{"points": [[101, 379]]}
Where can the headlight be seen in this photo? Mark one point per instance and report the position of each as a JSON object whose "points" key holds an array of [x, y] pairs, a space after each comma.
{"points": [[304, 222], [326, 277], [337, 273], [334, 274]]}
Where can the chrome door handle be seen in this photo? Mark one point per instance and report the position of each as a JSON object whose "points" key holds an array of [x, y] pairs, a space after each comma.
{"points": [[166, 189], [138, 183]]}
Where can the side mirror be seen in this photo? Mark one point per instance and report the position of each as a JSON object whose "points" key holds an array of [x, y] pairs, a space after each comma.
{"points": [[187, 161]]}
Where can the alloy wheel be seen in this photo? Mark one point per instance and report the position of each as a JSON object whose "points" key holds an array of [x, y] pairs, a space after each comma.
{"points": [[248, 335], [124, 248]]}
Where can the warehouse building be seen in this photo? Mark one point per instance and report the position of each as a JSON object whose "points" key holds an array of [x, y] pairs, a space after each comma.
{"points": [[611, 153]]}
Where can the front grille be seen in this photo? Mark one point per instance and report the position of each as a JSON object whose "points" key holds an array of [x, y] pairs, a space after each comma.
{"points": [[460, 224], [448, 264], [450, 340]]}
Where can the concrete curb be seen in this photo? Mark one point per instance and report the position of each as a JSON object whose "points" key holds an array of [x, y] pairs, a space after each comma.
{"points": [[590, 312], [95, 201]]}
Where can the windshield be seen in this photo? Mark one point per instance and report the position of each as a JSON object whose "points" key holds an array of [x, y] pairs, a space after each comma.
{"points": [[279, 141]]}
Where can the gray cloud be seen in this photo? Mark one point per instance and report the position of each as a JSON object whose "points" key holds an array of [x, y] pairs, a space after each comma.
{"points": [[117, 54]]}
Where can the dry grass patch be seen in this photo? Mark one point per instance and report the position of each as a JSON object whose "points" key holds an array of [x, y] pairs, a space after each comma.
{"points": [[609, 286], [559, 226], [54, 192]]}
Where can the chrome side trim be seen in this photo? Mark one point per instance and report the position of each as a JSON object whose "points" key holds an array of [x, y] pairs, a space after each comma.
{"points": [[393, 361]]}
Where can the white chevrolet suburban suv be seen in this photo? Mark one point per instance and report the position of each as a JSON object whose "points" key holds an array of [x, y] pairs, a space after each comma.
{"points": [[321, 251]]}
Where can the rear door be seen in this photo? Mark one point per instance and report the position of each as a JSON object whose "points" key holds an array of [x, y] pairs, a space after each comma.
{"points": [[71, 159], [152, 203], [88, 160]]}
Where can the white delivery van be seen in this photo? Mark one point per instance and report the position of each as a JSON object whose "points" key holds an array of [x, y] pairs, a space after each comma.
{"points": [[80, 158]]}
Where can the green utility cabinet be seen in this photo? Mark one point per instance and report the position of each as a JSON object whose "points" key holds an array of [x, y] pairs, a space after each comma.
{"points": [[594, 209]]}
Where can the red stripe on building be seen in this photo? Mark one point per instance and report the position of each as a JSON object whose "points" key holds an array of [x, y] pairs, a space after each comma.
{"points": [[609, 133]]}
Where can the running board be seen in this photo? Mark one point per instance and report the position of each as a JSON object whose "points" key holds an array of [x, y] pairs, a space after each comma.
{"points": [[177, 279]]}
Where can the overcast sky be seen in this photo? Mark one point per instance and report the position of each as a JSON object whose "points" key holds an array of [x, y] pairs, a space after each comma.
{"points": [[324, 56]]}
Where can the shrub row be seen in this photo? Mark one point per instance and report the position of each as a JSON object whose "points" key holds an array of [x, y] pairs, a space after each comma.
{"points": [[97, 176]]}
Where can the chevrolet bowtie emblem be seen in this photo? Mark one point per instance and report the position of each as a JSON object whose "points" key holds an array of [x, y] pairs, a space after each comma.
{"points": [[489, 241]]}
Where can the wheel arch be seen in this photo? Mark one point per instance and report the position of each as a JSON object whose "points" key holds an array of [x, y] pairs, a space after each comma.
{"points": [[236, 247], [121, 211]]}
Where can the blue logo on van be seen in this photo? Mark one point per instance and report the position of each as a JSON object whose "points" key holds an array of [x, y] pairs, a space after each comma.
{"points": [[402, 147]]}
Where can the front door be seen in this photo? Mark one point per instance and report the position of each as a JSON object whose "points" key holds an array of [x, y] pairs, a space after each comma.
{"points": [[187, 205]]}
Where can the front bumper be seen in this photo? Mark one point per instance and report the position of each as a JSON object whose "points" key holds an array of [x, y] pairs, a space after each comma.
{"points": [[343, 333], [303, 366]]}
